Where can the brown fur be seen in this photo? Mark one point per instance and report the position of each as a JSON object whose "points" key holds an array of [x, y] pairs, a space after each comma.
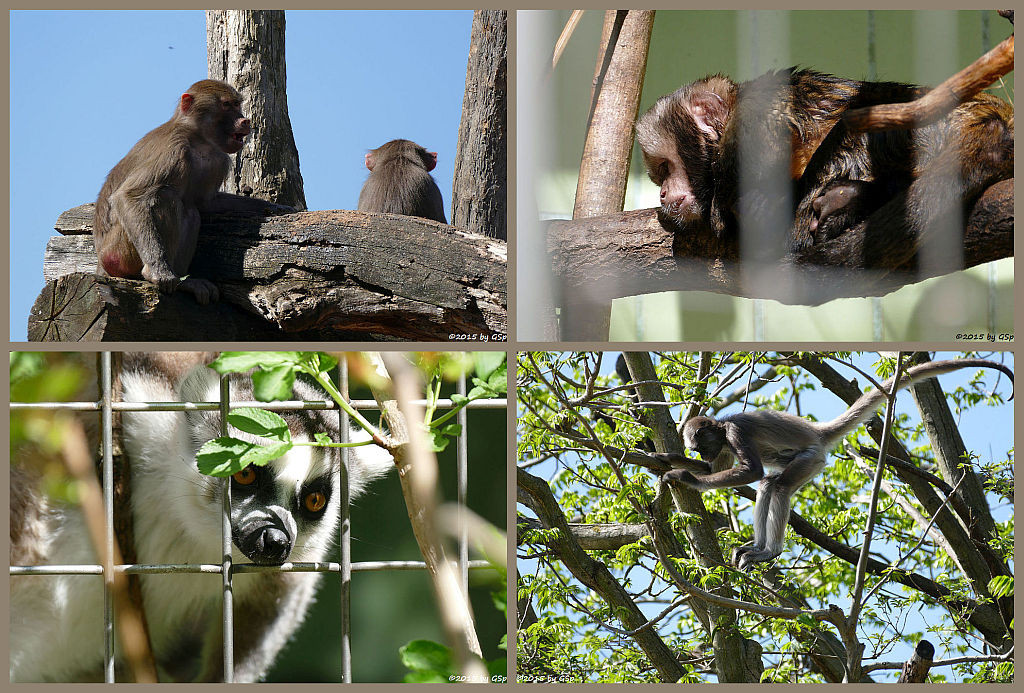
{"points": [[147, 216], [400, 182], [690, 141], [29, 513]]}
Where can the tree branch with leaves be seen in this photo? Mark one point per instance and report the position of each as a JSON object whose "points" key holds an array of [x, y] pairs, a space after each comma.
{"points": [[629, 578]]}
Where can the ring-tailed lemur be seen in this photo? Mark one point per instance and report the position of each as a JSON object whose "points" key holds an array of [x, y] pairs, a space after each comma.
{"points": [[285, 511]]}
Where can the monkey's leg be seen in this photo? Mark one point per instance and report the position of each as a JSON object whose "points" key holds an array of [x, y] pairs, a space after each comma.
{"points": [[958, 160], [843, 205], [762, 508], [151, 222], [771, 511]]}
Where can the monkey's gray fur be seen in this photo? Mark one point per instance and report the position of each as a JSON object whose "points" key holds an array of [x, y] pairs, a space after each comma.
{"points": [[56, 621], [792, 449]]}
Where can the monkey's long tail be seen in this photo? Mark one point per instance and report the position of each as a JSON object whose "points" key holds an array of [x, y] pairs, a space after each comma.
{"points": [[865, 406]]}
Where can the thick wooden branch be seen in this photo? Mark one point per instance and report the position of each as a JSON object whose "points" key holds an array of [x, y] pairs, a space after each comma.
{"points": [[592, 537], [982, 73], [915, 669], [631, 253], [306, 276]]}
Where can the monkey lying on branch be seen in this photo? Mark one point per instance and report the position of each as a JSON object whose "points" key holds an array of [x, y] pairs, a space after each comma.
{"points": [[691, 141], [792, 449]]}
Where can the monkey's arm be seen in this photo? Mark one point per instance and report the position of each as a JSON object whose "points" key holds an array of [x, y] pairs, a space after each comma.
{"points": [[682, 462], [747, 470]]}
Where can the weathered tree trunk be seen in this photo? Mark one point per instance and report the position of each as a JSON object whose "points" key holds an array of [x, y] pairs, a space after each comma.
{"points": [[915, 669], [305, 276], [479, 186], [605, 164], [631, 253], [246, 49]]}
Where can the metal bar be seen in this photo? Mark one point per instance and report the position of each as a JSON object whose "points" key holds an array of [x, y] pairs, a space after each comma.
{"points": [[216, 568], [462, 471], [226, 568], [295, 405], [407, 565], [345, 529], [228, 620], [107, 425], [877, 314], [992, 275]]}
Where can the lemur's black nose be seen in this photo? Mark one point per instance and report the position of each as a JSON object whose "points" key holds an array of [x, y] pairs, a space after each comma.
{"points": [[272, 546]]}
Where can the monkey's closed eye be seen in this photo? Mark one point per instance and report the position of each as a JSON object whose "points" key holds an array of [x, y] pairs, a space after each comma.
{"points": [[245, 477], [314, 501]]}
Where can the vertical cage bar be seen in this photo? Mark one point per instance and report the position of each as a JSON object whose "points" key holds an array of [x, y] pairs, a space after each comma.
{"points": [[993, 274], [877, 316], [462, 469], [934, 42], [345, 537], [108, 517], [228, 622], [763, 41]]}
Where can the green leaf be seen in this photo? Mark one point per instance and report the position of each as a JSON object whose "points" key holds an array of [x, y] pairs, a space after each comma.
{"points": [[322, 438], [481, 390], [425, 677], [498, 667], [260, 455], [499, 381], [1001, 586], [458, 399], [500, 600], [273, 384], [325, 361], [438, 441], [426, 655], [242, 361], [487, 362], [226, 456], [222, 456], [260, 422]]}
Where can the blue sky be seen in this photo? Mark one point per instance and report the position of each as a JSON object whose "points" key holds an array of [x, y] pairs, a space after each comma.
{"points": [[85, 86]]}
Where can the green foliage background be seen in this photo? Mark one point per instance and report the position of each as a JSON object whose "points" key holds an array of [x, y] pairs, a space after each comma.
{"points": [[570, 643]]}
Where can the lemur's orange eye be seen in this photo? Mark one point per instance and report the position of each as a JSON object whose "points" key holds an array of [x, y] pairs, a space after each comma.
{"points": [[315, 501], [246, 476]]}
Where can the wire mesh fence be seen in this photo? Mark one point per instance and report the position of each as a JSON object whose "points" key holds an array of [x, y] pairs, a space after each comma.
{"points": [[106, 407]]}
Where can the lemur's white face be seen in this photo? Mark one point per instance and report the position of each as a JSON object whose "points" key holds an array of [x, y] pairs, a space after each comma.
{"points": [[285, 511]]}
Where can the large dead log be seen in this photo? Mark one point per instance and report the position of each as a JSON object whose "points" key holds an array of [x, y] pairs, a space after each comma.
{"points": [[306, 276], [631, 253]]}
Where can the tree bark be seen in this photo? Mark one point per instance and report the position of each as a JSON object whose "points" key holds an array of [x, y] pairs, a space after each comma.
{"points": [[915, 669], [731, 663], [631, 253], [305, 276], [594, 537], [479, 186], [604, 169], [986, 618], [246, 49], [950, 452], [595, 575], [601, 188]]}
